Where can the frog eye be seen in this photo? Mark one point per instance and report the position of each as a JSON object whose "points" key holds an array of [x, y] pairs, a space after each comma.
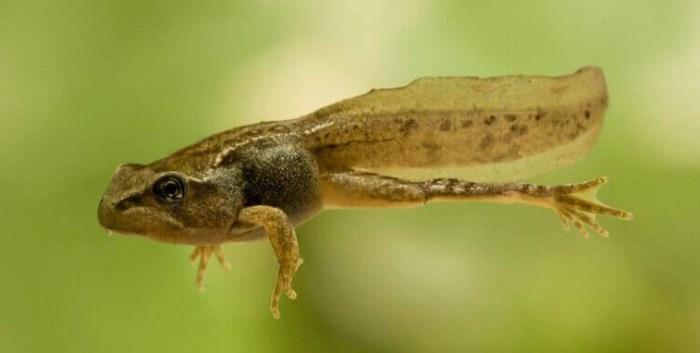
{"points": [[170, 189]]}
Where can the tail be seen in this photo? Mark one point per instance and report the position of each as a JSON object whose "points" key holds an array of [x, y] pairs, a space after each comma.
{"points": [[526, 124]]}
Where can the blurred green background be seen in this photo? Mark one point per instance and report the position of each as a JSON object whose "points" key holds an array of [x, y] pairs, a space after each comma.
{"points": [[86, 85]]}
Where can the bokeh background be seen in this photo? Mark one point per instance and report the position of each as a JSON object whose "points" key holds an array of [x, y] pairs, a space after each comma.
{"points": [[86, 85]]}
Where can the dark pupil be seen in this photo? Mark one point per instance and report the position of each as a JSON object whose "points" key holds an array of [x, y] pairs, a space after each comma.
{"points": [[171, 188]]}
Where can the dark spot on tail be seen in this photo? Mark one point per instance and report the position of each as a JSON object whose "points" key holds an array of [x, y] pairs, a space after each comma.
{"points": [[518, 129], [490, 120], [587, 113], [445, 125], [408, 127], [486, 142]]}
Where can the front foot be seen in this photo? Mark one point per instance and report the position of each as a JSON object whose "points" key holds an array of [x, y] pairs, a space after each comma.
{"points": [[203, 253], [280, 231], [285, 275], [577, 204]]}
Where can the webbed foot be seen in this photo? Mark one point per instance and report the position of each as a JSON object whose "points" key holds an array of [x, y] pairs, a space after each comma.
{"points": [[577, 204]]}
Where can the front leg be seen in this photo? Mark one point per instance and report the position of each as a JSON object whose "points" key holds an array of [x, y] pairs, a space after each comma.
{"points": [[284, 241], [203, 253]]}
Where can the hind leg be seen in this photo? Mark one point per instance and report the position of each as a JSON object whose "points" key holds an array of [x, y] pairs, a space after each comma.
{"points": [[574, 203]]}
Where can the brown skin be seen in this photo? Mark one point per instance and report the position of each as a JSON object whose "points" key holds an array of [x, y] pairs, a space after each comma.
{"points": [[266, 178]]}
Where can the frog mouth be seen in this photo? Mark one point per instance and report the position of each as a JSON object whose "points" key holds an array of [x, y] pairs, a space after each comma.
{"points": [[111, 232]]}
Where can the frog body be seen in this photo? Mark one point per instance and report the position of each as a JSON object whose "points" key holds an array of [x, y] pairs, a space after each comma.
{"points": [[399, 147]]}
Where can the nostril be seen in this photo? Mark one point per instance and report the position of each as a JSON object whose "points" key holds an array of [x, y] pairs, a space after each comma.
{"points": [[122, 205]]}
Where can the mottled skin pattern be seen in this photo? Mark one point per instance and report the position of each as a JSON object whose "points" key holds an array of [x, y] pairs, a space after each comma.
{"points": [[461, 121], [264, 179]]}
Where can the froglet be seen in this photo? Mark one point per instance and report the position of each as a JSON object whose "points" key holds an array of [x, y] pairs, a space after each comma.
{"points": [[387, 148]]}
